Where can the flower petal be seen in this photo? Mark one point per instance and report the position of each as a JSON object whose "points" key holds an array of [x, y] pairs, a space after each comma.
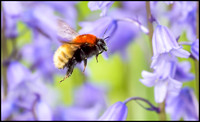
{"points": [[149, 79], [180, 53], [160, 91]]}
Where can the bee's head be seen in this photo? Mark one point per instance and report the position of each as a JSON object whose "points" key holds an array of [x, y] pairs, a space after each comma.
{"points": [[101, 44]]}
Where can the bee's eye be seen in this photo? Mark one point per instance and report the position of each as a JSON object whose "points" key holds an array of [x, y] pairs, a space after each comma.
{"points": [[99, 42]]}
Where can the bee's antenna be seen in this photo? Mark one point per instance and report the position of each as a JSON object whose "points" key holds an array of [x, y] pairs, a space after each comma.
{"points": [[105, 32], [106, 37]]}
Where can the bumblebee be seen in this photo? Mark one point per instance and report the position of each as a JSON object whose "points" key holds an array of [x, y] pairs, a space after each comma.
{"points": [[78, 49]]}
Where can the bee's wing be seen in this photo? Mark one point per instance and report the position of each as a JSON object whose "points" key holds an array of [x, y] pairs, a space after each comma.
{"points": [[65, 31]]}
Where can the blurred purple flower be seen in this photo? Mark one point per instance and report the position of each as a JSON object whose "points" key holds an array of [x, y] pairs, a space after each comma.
{"points": [[43, 111], [40, 16], [73, 113], [185, 105], [88, 103], [12, 8], [97, 27], [6, 109], [16, 74], [100, 5], [11, 14], [88, 95], [116, 112], [40, 54], [35, 19], [136, 10], [182, 72], [24, 92], [66, 10], [195, 49], [183, 18], [164, 43]]}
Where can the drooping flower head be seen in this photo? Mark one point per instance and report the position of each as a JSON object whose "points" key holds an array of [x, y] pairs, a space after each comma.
{"points": [[164, 43], [162, 80], [116, 112]]}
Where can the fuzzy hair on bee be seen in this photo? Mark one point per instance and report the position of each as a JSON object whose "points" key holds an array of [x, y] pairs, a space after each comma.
{"points": [[79, 48]]}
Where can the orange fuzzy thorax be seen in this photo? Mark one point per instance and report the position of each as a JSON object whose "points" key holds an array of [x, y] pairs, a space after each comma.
{"points": [[86, 38]]}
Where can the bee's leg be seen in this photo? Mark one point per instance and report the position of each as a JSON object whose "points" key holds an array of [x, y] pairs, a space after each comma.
{"points": [[85, 64], [98, 55], [70, 69], [84, 57]]}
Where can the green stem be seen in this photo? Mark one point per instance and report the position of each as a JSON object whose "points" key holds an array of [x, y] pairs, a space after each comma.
{"points": [[152, 107], [162, 114], [150, 26], [4, 56]]}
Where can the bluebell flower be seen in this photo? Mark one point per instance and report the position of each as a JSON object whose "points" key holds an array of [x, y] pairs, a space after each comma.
{"points": [[185, 105], [116, 112], [195, 49], [162, 86], [165, 50], [101, 5], [164, 44], [163, 80]]}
